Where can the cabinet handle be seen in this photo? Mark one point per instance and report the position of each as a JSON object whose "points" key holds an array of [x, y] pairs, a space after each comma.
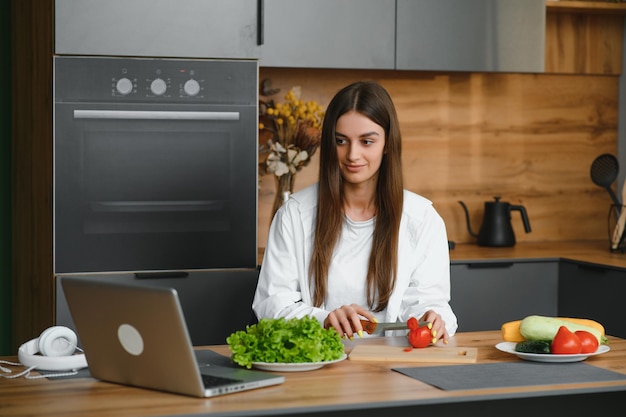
{"points": [[155, 115], [590, 267], [161, 275], [490, 265], [260, 22]]}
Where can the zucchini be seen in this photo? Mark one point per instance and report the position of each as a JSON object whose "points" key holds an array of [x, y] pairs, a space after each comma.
{"points": [[533, 346], [545, 328]]}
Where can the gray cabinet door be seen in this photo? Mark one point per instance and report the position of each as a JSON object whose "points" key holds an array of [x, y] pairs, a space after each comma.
{"points": [[486, 295], [357, 34], [476, 35], [157, 28], [215, 303], [593, 292]]}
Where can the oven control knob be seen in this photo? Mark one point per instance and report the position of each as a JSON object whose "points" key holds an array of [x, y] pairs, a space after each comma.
{"points": [[124, 86], [191, 87], [158, 87]]}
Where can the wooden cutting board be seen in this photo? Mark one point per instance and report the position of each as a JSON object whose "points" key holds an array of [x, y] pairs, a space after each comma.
{"points": [[398, 354]]}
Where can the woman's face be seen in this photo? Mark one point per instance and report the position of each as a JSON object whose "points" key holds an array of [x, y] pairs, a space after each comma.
{"points": [[360, 147]]}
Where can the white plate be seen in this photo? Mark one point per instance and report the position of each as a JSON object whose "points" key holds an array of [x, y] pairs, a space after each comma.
{"points": [[294, 367], [509, 347]]}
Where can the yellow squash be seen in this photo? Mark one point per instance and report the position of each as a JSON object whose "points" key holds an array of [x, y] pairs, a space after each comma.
{"points": [[511, 332]]}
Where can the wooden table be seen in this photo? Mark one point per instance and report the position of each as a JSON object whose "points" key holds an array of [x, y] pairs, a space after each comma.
{"points": [[347, 388]]}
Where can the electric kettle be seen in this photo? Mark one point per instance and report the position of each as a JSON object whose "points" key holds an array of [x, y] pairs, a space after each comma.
{"points": [[496, 229]]}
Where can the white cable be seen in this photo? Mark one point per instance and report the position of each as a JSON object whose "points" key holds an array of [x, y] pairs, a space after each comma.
{"points": [[26, 372], [28, 376]]}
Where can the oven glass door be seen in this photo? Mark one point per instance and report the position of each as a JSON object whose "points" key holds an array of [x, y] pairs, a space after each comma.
{"points": [[146, 188]]}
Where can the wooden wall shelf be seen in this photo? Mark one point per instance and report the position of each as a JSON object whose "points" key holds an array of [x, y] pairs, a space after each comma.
{"points": [[596, 7], [584, 37]]}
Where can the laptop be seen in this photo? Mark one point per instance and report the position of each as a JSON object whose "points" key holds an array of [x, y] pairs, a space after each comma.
{"points": [[136, 335]]}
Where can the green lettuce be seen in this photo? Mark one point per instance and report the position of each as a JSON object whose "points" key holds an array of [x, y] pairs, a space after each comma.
{"points": [[285, 341]]}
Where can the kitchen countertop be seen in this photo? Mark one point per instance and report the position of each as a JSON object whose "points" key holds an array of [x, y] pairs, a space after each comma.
{"points": [[592, 251], [588, 251]]}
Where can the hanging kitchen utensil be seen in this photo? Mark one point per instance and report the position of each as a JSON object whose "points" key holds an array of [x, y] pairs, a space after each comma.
{"points": [[618, 232], [604, 171]]}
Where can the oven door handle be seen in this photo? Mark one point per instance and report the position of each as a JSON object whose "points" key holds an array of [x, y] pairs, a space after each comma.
{"points": [[154, 115]]}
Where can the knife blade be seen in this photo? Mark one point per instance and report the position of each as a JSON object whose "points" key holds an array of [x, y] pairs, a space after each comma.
{"points": [[371, 327]]}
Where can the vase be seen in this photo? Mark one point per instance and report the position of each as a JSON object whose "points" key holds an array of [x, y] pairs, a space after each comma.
{"points": [[284, 188]]}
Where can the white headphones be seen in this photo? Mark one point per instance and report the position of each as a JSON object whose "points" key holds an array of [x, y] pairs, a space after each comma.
{"points": [[56, 346]]}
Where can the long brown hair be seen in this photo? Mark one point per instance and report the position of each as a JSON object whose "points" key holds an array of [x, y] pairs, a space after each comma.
{"points": [[371, 100]]}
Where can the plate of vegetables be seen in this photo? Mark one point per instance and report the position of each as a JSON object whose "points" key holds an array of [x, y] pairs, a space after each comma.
{"points": [[509, 347], [550, 339], [298, 344]]}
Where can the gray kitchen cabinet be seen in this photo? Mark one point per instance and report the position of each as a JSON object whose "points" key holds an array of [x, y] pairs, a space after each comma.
{"points": [[595, 292], [158, 28], [477, 35], [484, 295], [356, 34], [437, 35], [215, 303]]}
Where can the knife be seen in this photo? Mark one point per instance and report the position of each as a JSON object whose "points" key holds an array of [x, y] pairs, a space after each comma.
{"points": [[371, 327]]}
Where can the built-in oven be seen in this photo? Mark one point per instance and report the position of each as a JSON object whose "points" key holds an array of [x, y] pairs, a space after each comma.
{"points": [[155, 164]]}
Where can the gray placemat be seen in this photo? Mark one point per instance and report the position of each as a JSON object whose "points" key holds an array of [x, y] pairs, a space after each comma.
{"points": [[508, 374]]}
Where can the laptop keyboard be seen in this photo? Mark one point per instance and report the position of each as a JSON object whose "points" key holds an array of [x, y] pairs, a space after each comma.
{"points": [[211, 381]]}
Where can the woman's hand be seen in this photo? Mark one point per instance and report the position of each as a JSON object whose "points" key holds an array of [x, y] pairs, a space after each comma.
{"points": [[346, 320], [439, 326]]}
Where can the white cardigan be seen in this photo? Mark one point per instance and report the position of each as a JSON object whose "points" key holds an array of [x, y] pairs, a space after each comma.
{"points": [[423, 281]]}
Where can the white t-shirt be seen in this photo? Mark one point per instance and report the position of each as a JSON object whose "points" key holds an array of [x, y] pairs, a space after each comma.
{"points": [[348, 269], [423, 280]]}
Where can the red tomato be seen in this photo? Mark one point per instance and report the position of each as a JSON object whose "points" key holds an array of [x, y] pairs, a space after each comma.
{"points": [[420, 337], [588, 341], [565, 342], [412, 323]]}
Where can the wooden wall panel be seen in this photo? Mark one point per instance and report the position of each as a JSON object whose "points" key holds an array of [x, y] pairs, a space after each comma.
{"points": [[528, 138]]}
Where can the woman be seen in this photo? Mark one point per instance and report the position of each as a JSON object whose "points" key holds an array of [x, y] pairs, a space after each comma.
{"points": [[356, 244]]}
